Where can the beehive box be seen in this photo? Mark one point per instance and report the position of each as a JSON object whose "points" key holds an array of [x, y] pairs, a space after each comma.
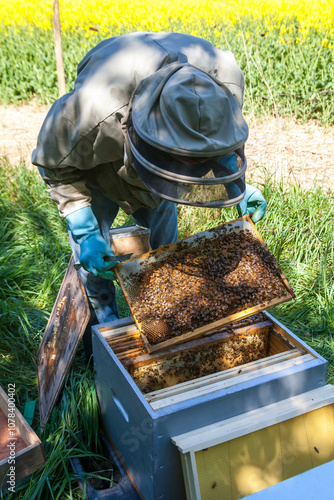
{"points": [[21, 451], [182, 291], [241, 456], [141, 424]]}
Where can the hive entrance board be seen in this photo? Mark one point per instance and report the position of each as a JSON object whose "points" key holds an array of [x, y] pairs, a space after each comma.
{"points": [[184, 290]]}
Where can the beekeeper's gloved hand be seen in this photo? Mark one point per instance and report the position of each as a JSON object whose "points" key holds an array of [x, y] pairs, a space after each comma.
{"points": [[254, 203], [93, 247]]}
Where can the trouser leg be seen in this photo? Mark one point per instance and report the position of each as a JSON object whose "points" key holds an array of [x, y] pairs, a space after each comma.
{"points": [[161, 220]]}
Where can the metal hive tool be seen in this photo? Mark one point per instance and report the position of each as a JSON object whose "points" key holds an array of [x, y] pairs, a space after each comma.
{"points": [[184, 290]]}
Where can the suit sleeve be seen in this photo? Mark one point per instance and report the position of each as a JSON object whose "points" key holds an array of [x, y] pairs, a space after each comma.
{"points": [[84, 129], [66, 183]]}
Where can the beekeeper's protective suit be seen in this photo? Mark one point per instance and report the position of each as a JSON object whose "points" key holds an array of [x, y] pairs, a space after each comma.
{"points": [[154, 119]]}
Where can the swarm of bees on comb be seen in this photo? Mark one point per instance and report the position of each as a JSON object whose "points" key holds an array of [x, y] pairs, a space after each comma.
{"points": [[201, 361], [194, 361], [198, 284]]}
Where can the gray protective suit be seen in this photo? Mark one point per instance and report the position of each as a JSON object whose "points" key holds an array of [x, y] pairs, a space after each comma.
{"points": [[82, 142]]}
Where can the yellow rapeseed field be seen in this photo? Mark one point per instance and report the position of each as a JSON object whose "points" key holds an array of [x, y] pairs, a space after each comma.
{"points": [[120, 15]]}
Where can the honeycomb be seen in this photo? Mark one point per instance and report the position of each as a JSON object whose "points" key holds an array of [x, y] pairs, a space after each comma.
{"points": [[200, 361], [181, 287]]}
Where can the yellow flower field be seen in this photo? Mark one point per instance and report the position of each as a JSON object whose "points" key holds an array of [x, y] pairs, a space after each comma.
{"points": [[144, 15], [285, 47]]}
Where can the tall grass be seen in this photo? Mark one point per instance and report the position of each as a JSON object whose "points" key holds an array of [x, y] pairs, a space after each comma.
{"points": [[34, 255]]}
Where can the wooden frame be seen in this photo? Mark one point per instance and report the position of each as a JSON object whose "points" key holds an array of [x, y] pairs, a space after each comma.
{"points": [[28, 459], [235, 427], [227, 379], [194, 359], [130, 361], [131, 266], [64, 330]]}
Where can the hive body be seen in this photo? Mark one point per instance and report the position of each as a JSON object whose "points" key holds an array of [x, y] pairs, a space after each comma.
{"points": [[141, 425]]}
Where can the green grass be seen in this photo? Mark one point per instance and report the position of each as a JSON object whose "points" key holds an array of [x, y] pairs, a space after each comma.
{"points": [[34, 255], [283, 77]]}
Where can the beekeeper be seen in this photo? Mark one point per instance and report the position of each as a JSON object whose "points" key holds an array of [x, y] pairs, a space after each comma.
{"points": [[154, 120]]}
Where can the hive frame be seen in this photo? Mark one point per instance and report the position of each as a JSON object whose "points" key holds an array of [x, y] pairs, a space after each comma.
{"points": [[123, 269]]}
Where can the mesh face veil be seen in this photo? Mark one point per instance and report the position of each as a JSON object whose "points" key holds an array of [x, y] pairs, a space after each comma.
{"points": [[202, 182], [186, 134]]}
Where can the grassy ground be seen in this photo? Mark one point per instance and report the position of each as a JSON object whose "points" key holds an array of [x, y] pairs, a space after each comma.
{"points": [[34, 255]]}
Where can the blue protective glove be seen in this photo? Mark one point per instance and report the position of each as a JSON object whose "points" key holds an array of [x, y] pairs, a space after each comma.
{"points": [[253, 203], [93, 247]]}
